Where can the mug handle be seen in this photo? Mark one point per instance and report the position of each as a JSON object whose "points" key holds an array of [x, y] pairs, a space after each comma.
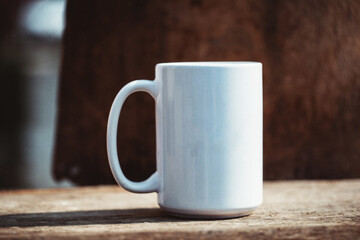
{"points": [[152, 183]]}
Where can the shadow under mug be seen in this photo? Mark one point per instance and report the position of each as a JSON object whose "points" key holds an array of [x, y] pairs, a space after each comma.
{"points": [[209, 118]]}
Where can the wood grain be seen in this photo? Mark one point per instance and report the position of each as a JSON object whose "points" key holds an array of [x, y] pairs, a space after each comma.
{"points": [[310, 52], [291, 210]]}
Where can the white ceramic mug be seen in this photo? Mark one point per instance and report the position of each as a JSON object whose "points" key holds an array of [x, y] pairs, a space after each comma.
{"points": [[208, 138]]}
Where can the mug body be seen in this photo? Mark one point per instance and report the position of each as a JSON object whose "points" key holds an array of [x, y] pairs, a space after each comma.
{"points": [[209, 138]]}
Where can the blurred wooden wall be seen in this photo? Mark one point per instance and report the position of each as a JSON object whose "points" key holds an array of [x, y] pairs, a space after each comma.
{"points": [[310, 51], [13, 85]]}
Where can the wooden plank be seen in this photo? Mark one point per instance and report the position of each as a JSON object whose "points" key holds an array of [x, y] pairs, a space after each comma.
{"points": [[310, 52], [291, 210]]}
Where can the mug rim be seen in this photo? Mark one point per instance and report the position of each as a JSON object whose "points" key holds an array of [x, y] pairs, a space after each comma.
{"points": [[210, 64]]}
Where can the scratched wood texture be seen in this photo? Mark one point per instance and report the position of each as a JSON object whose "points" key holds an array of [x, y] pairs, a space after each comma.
{"points": [[291, 210]]}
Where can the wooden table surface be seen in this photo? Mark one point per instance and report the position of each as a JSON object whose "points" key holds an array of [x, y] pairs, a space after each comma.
{"points": [[291, 210]]}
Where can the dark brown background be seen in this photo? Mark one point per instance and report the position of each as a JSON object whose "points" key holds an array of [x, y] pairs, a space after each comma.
{"points": [[310, 52]]}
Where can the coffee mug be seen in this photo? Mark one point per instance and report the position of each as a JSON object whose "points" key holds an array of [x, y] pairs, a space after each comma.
{"points": [[208, 138]]}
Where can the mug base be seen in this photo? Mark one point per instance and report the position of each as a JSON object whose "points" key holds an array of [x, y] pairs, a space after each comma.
{"points": [[208, 214]]}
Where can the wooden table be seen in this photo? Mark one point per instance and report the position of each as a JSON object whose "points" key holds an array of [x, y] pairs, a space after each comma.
{"points": [[291, 210]]}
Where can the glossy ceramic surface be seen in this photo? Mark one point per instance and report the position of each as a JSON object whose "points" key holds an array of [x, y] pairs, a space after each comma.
{"points": [[209, 137]]}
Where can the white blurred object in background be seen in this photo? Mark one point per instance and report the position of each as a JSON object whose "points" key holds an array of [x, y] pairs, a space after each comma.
{"points": [[44, 18], [42, 23]]}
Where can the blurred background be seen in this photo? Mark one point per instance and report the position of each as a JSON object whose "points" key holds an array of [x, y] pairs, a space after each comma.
{"points": [[62, 63], [30, 53]]}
